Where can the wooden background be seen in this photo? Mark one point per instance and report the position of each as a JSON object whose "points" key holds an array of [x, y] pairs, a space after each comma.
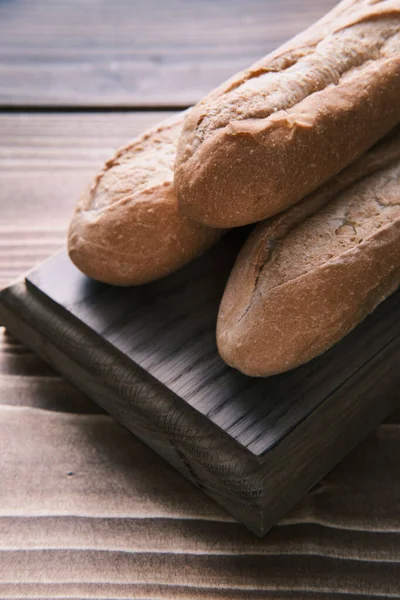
{"points": [[85, 509]]}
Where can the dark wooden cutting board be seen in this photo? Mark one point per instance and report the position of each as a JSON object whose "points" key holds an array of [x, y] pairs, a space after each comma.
{"points": [[147, 355]]}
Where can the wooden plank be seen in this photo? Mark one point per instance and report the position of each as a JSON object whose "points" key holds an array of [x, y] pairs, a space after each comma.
{"points": [[49, 393], [165, 592], [45, 162], [194, 537], [26, 380], [317, 574], [134, 53], [125, 518], [87, 465]]}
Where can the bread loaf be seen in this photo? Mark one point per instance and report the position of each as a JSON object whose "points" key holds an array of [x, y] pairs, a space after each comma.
{"points": [[306, 277], [276, 131], [127, 229]]}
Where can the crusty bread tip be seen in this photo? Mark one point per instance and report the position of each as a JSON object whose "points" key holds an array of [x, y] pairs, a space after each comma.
{"points": [[127, 229]]}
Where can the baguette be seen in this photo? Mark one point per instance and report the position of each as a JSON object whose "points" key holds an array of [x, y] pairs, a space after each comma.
{"points": [[275, 132], [127, 229], [308, 276]]}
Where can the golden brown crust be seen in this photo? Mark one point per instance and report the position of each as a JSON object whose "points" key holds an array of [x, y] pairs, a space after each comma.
{"points": [[127, 229], [273, 133], [306, 277]]}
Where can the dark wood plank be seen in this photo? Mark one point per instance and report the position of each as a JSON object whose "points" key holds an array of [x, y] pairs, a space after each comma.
{"points": [[167, 328], [48, 393], [147, 355], [135, 53]]}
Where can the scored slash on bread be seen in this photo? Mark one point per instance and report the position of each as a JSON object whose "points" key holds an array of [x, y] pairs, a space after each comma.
{"points": [[127, 229], [273, 133], [308, 276]]}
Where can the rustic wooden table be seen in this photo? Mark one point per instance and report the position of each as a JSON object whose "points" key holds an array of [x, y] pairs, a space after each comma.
{"points": [[85, 509]]}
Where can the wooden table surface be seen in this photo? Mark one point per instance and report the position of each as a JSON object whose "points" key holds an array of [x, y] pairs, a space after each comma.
{"points": [[85, 509]]}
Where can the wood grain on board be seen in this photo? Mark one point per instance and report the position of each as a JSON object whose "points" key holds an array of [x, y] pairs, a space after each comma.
{"points": [[136, 53]]}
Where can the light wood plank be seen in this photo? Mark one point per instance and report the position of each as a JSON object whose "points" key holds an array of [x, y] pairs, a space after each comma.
{"points": [[113, 474], [131, 53], [316, 574], [45, 392], [168, 592], [193, 537], [116, 476]]}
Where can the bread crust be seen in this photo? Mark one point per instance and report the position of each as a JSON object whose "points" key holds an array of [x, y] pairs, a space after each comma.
{"points": [[273, 133], [127, 229], [308, 276]]}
